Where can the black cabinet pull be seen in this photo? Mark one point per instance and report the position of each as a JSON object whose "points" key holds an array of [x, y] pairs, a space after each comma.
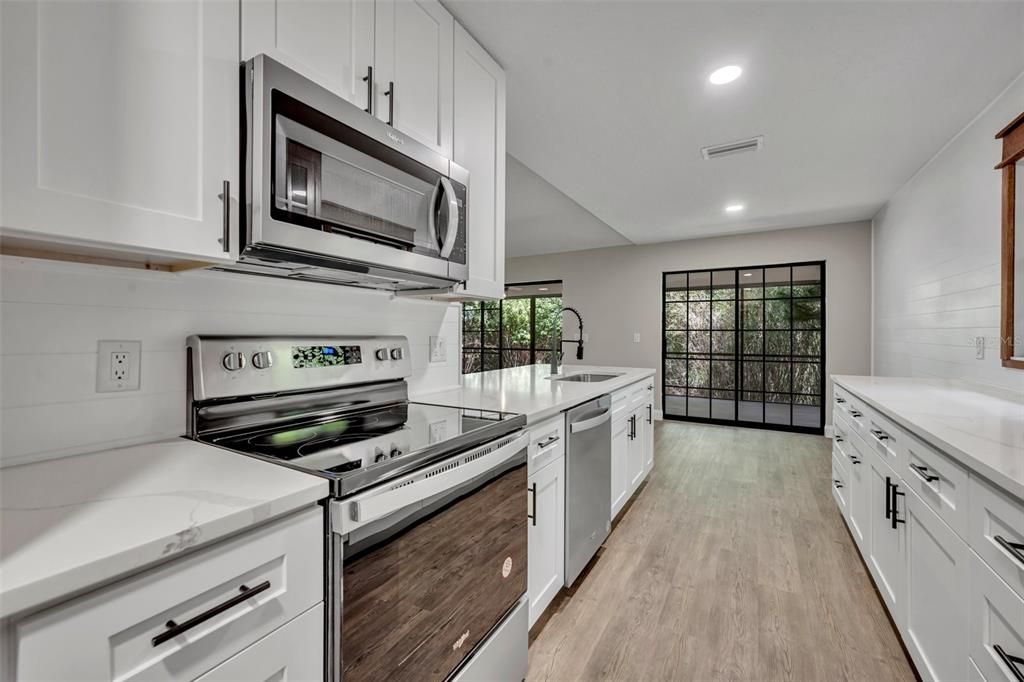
{"points": [[175, 629], [854, 459], [368, 79], [533, 505], [896, 520], [840, 400], [650, 413], [1011, 662], [550, 441], [1015, 549], [390, 94], [856, 414], [879, 434], [837, 483], [922, 472], [888, 497], [225, 197], [839, 439]]}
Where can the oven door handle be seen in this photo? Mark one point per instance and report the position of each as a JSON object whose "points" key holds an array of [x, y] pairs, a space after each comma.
{"points": [[375, 505], [453, 218]]}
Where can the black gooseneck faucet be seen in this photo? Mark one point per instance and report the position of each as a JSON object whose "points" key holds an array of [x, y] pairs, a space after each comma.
{"points": [[556, 350]]}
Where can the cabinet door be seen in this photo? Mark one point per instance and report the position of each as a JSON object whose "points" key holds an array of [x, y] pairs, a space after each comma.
{"points": [[413, 49], [546, 536], [635, 456], [293, 652], [328, 42], [859, 495], [648, 431], [120, 124], [938, 570], [886, 556], [620, 457], [479, 147]]}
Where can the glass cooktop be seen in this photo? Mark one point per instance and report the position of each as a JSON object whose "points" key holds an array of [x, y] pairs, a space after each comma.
{"points": [[362, 444]]}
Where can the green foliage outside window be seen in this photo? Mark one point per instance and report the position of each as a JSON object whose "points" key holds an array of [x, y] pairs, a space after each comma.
{"points": [[509, 333]]}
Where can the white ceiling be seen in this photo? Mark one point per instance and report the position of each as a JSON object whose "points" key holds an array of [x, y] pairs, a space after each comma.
{"points": [[609, 102], [541, 219]]}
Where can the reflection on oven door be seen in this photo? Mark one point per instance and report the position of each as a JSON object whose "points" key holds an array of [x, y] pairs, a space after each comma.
{"points": [[416, 604]]}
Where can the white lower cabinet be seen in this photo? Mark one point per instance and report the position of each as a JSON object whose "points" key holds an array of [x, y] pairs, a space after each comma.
{"points": [[620, 464], [293, 652], [945, 547], [635, 453], [937, 570], [887, 543], [996, 623], [648, 430], [546, 542], [183, 618]]}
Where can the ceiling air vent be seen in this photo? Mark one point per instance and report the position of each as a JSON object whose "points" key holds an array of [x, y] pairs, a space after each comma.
{"points": [[751, 144]]}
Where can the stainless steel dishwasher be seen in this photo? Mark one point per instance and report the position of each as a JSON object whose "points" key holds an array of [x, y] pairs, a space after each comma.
{"points": [[588, 483]]}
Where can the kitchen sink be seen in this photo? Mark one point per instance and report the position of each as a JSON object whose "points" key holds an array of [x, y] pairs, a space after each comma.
{"points": [[585, 376]]}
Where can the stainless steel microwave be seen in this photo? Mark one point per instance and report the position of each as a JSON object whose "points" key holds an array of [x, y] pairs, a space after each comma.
{"points": [[332, 194]]}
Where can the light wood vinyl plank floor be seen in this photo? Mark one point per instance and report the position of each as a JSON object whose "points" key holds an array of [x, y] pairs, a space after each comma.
{"points": [[732, 563]]}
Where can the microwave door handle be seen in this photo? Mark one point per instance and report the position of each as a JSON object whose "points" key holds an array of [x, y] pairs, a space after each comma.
{"points": [[453, 218], [432, 216]]}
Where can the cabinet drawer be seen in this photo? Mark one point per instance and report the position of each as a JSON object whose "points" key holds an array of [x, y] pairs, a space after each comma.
{"points": [[839, 490], [547, 443], [293, 652], [938, 480], [995, 526], [996, 623], [883, 436], [844, 445], [110, 633]]}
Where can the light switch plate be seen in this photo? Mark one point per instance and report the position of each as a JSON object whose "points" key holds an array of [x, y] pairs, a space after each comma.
{"points": [[438, 350], [979, 347], [118, 366], [636, 337]]}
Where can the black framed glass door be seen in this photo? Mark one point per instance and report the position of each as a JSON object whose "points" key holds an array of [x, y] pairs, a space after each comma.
{"points": [[745, 346]]}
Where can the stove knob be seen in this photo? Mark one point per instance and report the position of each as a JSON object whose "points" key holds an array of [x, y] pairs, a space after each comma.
{"points": [[381, 354], [262, 360], [379, 456], [395, 452], [233, 362], [396, 353]]}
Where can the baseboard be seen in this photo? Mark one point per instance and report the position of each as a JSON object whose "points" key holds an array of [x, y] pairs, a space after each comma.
{"points": [[828, 431]]}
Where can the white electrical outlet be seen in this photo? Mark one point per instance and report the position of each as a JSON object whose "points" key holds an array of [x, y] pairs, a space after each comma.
{"points": [[636, 338], [438, 350], [118, 366], [979, 347]]}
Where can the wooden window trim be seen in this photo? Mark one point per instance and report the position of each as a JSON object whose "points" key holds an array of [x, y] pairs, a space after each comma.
{"points": [[1013, 150]]}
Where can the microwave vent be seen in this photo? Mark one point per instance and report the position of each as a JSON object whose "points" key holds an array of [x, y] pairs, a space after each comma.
{"points": [[751, 144]]}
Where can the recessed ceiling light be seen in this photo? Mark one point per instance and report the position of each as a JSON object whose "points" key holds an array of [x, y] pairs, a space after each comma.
{"points": [[543, 288], [734, 208], [748, 274], [726, 74]]}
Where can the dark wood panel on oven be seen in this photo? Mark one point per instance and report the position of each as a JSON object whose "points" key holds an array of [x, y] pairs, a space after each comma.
{"points": [[415, 606]]}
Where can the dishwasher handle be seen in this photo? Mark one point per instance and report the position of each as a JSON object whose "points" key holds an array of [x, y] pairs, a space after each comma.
{"points": [[587, 424]]}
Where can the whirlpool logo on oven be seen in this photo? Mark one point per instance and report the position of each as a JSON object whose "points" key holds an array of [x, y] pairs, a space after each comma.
{"points": [[460, 641]]}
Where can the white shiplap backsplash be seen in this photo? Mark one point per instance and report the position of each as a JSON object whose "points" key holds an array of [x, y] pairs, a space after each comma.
{"points": [[53, 314], [936, 261]]}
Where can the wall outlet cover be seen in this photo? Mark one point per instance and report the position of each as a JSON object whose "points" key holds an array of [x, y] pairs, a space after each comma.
{"points": [[438, 349], [118, 366]]}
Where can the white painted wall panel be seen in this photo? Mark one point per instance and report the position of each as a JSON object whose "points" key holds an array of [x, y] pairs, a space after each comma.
{"points": [[52, 314], [936, 253]]}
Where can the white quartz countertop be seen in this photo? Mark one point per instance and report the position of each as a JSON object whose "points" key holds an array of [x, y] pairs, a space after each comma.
{"points": [[984, 431], [70, 524], [527, 390]]}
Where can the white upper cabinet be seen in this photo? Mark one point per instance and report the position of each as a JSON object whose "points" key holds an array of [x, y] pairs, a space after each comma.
{"points": [[330, 43], [479, 146], [120, 125], [413, 70]]}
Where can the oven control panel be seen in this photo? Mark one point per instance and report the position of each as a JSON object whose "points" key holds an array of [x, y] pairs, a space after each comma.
{"points": [[223, 366]]}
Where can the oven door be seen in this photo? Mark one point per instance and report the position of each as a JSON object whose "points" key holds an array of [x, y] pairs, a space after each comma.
{"points": [[433, 561], [331, 180]]}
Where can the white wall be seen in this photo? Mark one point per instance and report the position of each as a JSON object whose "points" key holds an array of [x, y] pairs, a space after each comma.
{"points": [[54, 313], [618, 290], [936, 261]]}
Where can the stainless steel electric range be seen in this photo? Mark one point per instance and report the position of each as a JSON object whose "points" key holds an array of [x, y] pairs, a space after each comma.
{"points": [[427, 534]]}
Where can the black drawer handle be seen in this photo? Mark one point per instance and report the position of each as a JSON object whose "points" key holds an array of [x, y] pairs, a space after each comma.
{"points": [[533, 505], [550, 441], [1011, 662], [1015, 549], [839, 439], [838, 484], [879, 434], [895, 517], [856, 414], [854, 459], [840, 400], [922, 472], [175, 629]]}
